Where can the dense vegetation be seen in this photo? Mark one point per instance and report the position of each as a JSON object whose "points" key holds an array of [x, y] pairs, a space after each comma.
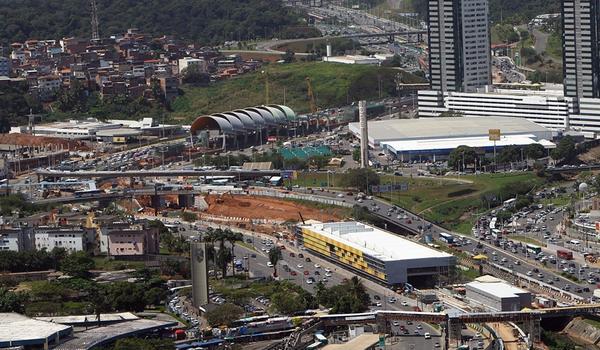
{"points": [[81, 296], [521, 11], [204, 21], [333, 85], [15, 104]]}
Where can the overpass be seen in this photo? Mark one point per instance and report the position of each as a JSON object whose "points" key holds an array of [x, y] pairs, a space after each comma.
{"points": [[573, 168], [155, 173], [452, 323]]}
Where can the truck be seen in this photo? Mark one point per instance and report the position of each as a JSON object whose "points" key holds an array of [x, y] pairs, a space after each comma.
{"points": [[564, 254]]}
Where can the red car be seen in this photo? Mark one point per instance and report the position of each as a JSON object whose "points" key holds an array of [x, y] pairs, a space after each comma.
{"points": [[293, 273], [306, 273]]}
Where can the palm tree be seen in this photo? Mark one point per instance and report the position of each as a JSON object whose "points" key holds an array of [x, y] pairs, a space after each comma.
{"points": [[358, 291], [210, 237], [274, 257], [232, 238]]}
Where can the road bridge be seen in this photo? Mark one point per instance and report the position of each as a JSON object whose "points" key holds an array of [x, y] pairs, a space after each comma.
{"points": [[573, 168], [155, 173], [452, 323]]}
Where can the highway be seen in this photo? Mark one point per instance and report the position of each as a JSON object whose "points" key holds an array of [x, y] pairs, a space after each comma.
{"points": [[254, 253], [155, 173], [416, 223]]}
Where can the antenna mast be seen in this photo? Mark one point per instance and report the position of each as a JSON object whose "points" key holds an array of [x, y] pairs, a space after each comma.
{"points": [[95, 34]]}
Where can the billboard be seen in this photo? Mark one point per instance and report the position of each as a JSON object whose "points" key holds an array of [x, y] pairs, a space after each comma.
{"points": [[494, 134]]}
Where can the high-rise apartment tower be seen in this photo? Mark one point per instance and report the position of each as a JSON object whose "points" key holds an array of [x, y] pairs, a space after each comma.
{"points": [[459, 45]]}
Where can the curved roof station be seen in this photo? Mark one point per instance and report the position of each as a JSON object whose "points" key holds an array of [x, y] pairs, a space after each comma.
{"points": [[246, 120]]}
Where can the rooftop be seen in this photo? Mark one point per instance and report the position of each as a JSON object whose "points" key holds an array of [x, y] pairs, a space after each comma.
{"points": [[375, 242], [432, 128], [452, 143], [498, 288], [17, 329]]}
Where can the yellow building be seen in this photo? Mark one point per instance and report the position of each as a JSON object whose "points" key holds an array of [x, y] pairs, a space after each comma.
{"points": [[375, 253]]}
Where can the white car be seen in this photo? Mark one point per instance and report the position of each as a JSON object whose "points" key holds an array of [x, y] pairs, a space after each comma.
{"points": [[309, 281], [300, 266], [270, 264], [404, 303], [317, 266], [327, 270]]}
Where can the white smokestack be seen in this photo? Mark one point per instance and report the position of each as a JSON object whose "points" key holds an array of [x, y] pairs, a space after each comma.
{"points": [[364, 134]]}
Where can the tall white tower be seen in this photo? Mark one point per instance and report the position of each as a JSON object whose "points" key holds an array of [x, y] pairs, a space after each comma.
{"points": [[364, 134]]}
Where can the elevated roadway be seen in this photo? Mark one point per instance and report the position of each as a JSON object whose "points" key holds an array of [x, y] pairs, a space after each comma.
{"points": [[467, 317], [155, 173]]}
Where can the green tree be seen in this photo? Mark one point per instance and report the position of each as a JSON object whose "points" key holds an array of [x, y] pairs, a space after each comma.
{"points": [[288, 56], [565, 150], [288, 303], [77, 264], [461, 157], [233, 238], [534, 151], [155, 296], [356, 155], [143, 344], [12, 301], [126, 296], [74, 98], [224, 314], [509, 154], [223, 259], [274, 257], [195, 76], [99, 300], [362, 179], [189, 216]]}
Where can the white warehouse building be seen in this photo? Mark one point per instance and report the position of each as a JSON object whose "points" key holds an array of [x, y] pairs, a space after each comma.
{"points": [[408, 139], [497, 295]]}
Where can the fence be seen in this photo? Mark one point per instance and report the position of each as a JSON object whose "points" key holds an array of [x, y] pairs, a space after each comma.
{"points": [[300, 196]]}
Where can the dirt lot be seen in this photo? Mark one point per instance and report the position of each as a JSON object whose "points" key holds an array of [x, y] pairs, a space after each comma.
{"points": [[36, 141], [267, 208]]}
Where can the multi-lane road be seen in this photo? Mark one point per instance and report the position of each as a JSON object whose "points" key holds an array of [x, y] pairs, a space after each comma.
{"points": [[526, 262], [303, 265]]}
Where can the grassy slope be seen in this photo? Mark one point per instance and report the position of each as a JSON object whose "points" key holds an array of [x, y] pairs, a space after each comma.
{"points": [[334, 85], [450, 203], [454, 205]]}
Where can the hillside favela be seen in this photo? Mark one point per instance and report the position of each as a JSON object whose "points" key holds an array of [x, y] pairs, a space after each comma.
{"points": [[300, 174]]}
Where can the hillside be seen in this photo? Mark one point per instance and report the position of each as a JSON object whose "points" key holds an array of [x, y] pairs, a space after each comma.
{"points": [[204, 21], [333, 84]]}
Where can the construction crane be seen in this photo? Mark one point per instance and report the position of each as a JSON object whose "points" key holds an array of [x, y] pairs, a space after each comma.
{"points": [[311, 96], [95, 33]]}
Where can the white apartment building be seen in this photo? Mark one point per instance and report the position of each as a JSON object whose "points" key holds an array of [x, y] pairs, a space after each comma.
{"points": [[546, 108], [186, 62], [74, 239], [12, 239]]}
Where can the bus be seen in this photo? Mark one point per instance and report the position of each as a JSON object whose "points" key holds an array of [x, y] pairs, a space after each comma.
{"points": [[447, 238], [533, 249], [496, 233]]}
